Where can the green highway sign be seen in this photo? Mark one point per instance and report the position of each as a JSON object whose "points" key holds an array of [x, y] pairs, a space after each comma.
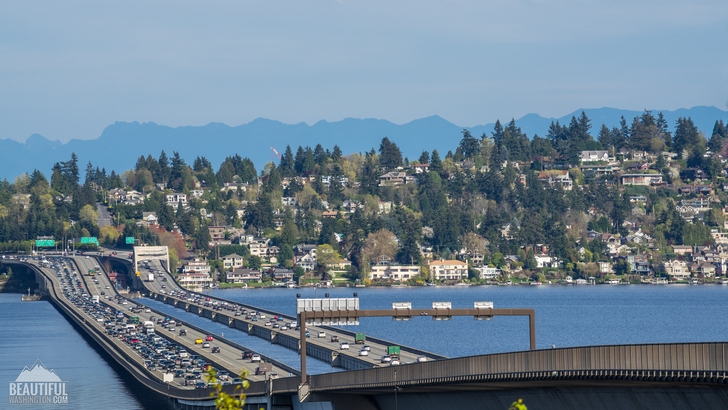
{"points": [[130, 240], [90, 239], [45, 243]]}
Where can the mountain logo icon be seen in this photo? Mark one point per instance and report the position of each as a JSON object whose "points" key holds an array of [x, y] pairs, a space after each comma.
{"points": [[38, 373]]}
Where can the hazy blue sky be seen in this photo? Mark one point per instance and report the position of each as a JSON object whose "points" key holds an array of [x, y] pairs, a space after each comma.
{"points": [[70, 68]]}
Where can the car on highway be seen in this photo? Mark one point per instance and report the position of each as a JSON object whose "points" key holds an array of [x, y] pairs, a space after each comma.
{"points": [[386, 359], [208, 338], [205, 345], [321, 334], [215, 349], [198, 341], [394, 362], [344, 346], [255, 358], [247, 354], [366, 347], [363, 352], [421, 359], [183, 332]]}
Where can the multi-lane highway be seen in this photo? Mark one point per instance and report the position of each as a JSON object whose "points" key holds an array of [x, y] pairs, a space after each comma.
{"points": [[229, 356], [79, 296], [163, 284]]}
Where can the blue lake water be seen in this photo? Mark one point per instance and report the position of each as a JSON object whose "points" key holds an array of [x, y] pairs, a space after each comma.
{"points": [[565, 315], [36, 330]]}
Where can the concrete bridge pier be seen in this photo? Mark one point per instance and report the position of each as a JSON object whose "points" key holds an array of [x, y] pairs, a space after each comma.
{"points": [[42, 285]]}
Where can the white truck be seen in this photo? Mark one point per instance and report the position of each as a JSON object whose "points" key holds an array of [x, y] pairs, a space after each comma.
{"points": [[96, 298], [149, 327], [150, 278]]}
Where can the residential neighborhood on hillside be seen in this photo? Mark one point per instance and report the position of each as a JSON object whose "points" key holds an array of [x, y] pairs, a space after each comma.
{"points": [[630, 205]]}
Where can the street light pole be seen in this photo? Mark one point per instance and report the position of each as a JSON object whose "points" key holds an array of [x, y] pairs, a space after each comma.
{"points": [[396, 404]]}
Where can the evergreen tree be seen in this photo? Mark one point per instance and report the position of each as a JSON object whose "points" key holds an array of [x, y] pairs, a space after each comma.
{"points": [[321, 158], [469, 145], [530, 260], [662, 126], [624, 132], [498, 134], [201, 164], [287, 166], [604, 137], [435, 162], [390, 157], [369, 174], [336, 154], [300, 160], [164, 170], [617, 139], [686, 135], [309, 162], [718, 138]]}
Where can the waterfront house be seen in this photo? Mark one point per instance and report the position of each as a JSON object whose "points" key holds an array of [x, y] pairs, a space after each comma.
{"points": [[488, 272], [677, 270], [395, 273], [194, 280], [281, 274], [243, 275], [195, 266], [450, 270]]}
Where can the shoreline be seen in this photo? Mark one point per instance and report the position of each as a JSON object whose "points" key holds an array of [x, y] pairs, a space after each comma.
{"points": [[443, 285]]}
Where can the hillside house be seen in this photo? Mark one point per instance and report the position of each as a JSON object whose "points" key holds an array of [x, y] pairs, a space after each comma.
{"points": [[232, 261], [556, 177], [594, 156], [641, 179]]}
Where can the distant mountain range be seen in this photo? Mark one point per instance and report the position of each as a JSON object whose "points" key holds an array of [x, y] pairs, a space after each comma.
{"points": [[122, 143]]}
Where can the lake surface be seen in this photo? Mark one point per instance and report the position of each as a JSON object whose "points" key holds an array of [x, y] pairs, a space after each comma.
{"points": [[36, 330], [565, 315]]}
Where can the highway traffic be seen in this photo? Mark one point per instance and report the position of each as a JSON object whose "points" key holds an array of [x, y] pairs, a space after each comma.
{"points": [[189, 356], [375, 354]]}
